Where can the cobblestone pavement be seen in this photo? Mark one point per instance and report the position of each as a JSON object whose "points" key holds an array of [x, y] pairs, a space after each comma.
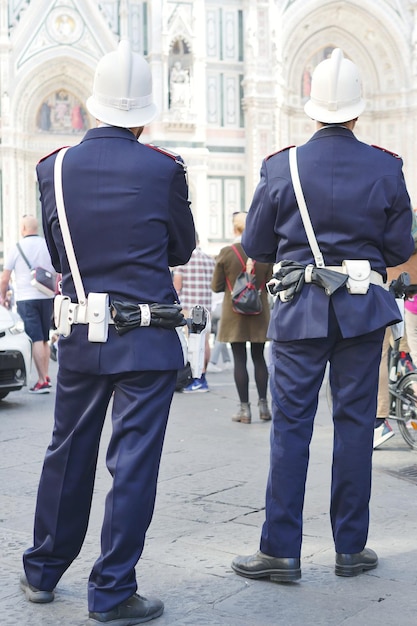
{"points": [[210, 508]]}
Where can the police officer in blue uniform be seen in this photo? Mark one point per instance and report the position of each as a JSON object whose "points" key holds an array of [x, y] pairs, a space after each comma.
{"points": [[360, 210], [130, 219]]}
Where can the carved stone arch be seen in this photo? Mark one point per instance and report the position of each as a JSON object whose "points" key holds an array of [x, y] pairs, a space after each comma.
{"points": [[63, 75], [316, 49], [180, 48], [376, 46], [177, 38]]}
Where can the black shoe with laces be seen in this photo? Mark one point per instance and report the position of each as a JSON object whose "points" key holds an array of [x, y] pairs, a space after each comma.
{"points": [[37, 596], [354, 564], [135, 610], [260, 565]]}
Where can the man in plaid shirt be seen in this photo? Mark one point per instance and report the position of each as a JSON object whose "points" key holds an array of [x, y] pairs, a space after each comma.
{"points": [[193, 285]]}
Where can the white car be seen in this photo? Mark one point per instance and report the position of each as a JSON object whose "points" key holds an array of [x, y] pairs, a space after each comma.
{"points": [[15, 353]]}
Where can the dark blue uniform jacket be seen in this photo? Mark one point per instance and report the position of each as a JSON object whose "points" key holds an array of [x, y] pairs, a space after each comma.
{"points": [[130, 219], [359, 208]]}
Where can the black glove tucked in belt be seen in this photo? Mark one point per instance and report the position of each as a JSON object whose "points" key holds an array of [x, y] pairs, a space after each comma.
{"points": [[128, 315], [291, 278]]}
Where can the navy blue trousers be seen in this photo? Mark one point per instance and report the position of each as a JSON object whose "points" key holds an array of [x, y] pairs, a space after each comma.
{"points": [[141, 404], [297, 372]]}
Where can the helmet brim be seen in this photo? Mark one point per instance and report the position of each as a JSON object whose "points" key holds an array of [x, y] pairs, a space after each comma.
{"points": [[124, 119], [344, 114]]}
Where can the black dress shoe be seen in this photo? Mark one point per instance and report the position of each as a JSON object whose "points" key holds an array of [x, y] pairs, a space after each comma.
{"points": [[354, 564], [135, 610], [35, 595], [261, 565]]}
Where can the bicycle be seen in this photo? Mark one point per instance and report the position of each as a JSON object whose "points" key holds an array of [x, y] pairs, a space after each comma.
{"points": [[402, 376], [403, 383]]}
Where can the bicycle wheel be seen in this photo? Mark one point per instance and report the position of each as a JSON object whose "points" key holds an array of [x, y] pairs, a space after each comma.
{"points": [[406, 409]]}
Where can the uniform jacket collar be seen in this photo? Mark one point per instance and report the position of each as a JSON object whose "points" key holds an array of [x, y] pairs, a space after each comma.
{"points": [[332, 131], [108, 132]]}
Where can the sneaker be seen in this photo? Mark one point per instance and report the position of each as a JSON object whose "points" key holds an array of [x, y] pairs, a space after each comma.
{"points": [[214, 369], [405, 363], [382, 433], [199, 385], [53, 352], [40, 388], [48, 382]]}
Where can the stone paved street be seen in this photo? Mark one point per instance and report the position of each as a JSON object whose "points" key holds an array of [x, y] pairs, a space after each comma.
{"points": [[210, 508]]}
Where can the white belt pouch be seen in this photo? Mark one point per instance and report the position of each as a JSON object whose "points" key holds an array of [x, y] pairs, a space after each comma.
{"points": [[61, 315], [98, 314], [359, 272]]}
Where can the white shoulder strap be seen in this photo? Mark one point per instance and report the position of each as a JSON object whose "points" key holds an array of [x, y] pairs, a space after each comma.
{"points": [[63, 222], [318, 257]]}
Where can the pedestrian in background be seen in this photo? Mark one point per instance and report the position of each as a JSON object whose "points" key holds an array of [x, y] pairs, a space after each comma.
{"points": [[129, 219], [34, 307], [360, 210], [192, 282], [383, 430], [239, 329], [220, 348]]}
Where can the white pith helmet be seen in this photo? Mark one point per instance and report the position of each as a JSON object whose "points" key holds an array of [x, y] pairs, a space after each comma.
{"points": [[336, 93], [122, 91]]}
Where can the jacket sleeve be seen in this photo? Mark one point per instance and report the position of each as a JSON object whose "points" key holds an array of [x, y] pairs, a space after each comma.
{"points": [[182, 237], [47, 212], [398, 240], [218, 281], [259, 239]]}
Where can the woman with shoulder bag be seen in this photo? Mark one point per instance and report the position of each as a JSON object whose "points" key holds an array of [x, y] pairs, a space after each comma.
{"points": [[237, 328]]}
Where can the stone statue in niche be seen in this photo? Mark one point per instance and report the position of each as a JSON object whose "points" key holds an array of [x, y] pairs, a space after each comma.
{"points": [[179, 86]]}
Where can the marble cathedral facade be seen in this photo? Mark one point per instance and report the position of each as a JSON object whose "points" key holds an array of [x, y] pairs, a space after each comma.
{"points": [[230, 80]]}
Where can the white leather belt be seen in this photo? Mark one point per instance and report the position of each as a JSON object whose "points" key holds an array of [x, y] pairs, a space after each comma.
{"points": [[375, 278], [77, 314]]}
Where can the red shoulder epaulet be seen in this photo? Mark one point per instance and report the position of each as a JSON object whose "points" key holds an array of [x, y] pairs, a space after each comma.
{"points": [[278, 151], [168, 153], [53, 152], [394, 154], [171, 155]]}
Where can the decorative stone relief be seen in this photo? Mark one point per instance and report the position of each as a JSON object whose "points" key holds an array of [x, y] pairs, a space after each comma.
{"points": [[64, 25], [212, 35]]}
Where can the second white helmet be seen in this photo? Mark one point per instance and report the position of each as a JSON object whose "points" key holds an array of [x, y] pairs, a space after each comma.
{"points": [[122, 91], [336, 93]]}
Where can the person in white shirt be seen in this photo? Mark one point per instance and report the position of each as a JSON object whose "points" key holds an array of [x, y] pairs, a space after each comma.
{"points": [[34, 307]]}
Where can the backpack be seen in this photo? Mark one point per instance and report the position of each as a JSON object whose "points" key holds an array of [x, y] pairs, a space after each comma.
{"points": [[246, 297]]}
